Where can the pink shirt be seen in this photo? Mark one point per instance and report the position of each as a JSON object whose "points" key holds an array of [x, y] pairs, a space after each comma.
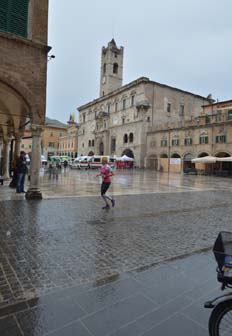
{"points": [[105, 172]]}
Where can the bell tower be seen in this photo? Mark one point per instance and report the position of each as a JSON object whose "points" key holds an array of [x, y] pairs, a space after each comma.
{"points": [[111, 68]]}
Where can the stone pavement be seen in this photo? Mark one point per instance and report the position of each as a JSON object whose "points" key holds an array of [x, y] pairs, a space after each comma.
{"points": [[164, 299], [66, 263]]}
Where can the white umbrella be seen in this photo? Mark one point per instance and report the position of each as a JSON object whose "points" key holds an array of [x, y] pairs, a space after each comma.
{"points": [[205, 159], [126, 158], [224, 159]]}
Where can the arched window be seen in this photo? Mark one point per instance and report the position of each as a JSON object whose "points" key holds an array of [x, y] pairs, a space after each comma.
{"points": [[125, 138], [115, 68], [89, 143], [104, 68], [14, 16], [92, 143], [131, 137]]}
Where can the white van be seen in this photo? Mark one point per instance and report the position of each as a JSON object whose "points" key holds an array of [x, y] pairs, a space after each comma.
{"points": [[75, 163], [83, 162], [96, 161]]}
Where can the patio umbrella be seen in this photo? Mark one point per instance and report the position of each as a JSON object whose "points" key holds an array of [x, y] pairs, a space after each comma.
{"points": [[205, 159]]}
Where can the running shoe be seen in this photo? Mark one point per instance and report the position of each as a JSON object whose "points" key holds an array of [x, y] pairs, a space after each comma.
{"points": [[106, 207]]}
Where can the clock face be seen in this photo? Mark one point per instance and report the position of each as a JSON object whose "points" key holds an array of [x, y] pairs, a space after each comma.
{"points": [[103, 80], [115, 120]]}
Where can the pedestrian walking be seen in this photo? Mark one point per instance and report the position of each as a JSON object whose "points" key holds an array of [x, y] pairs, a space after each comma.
{"points": [[65, 165], [106, 173], [22, 170]]}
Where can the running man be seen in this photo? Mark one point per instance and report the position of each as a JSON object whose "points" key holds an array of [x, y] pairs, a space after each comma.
{"points": [[106, 173]]}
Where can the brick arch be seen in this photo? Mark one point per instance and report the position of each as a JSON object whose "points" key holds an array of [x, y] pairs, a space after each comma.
{"points": [[24, 92]]}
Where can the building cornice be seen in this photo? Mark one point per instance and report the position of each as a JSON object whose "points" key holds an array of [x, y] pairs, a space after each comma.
{"points": [[22, 40], [211, 125]]}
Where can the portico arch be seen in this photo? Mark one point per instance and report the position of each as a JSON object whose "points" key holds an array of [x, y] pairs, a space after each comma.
{"points": [[152, 162], [203, 154], [128, 152], [187, 161]]}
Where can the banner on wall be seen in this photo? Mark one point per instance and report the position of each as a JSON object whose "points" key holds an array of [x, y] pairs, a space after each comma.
{"points": [[175, 161]]}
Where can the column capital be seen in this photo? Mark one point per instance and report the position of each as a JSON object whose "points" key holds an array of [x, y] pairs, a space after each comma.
{"points": [[37, 129], [7, 140]]}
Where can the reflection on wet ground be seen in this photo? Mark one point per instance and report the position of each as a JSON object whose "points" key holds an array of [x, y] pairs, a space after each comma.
{"points": [[84, 183], [69, 268], [164, 299]]}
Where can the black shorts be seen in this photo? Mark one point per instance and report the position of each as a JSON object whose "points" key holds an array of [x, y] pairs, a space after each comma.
{"points": [[104, 187]]}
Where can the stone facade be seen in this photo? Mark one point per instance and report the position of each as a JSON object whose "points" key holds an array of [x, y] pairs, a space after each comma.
{"points": [[162, 127], [119, 122], [68, 144], [23, 72], [208, 133]]}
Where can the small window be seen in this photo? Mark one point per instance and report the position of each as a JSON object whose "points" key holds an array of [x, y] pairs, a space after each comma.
{"points": [[123, 120], [104, 68], [125, 138], [203, 140], [51, 134], [230, 115], [92, 143], [131, 137], [169, 107], [14, 16], [124, 104], [89, 143], [116, 107], [175, 142], [115, 68], [104, 124], [181, 113], [83, 117], [22, 145], [164, 143], [132, 100], [83, 145], [115, 55], [221, 139], [187, 141], [108, 108], [60, 134]]}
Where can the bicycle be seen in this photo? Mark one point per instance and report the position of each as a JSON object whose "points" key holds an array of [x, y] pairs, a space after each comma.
{"points": [[220, 321]]}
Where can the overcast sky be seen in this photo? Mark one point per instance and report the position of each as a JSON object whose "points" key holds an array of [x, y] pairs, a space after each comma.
{"points": [[182, 43]]}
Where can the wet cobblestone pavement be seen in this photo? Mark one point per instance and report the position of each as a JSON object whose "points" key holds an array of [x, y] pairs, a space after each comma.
{"points": [[69, 268]]}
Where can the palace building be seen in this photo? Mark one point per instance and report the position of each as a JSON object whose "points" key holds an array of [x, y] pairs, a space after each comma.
{"points": [[144, 119]]}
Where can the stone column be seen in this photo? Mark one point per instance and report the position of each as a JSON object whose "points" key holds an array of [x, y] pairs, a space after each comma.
{"points": [[6, 153], [18, 138], [34, 191]]}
